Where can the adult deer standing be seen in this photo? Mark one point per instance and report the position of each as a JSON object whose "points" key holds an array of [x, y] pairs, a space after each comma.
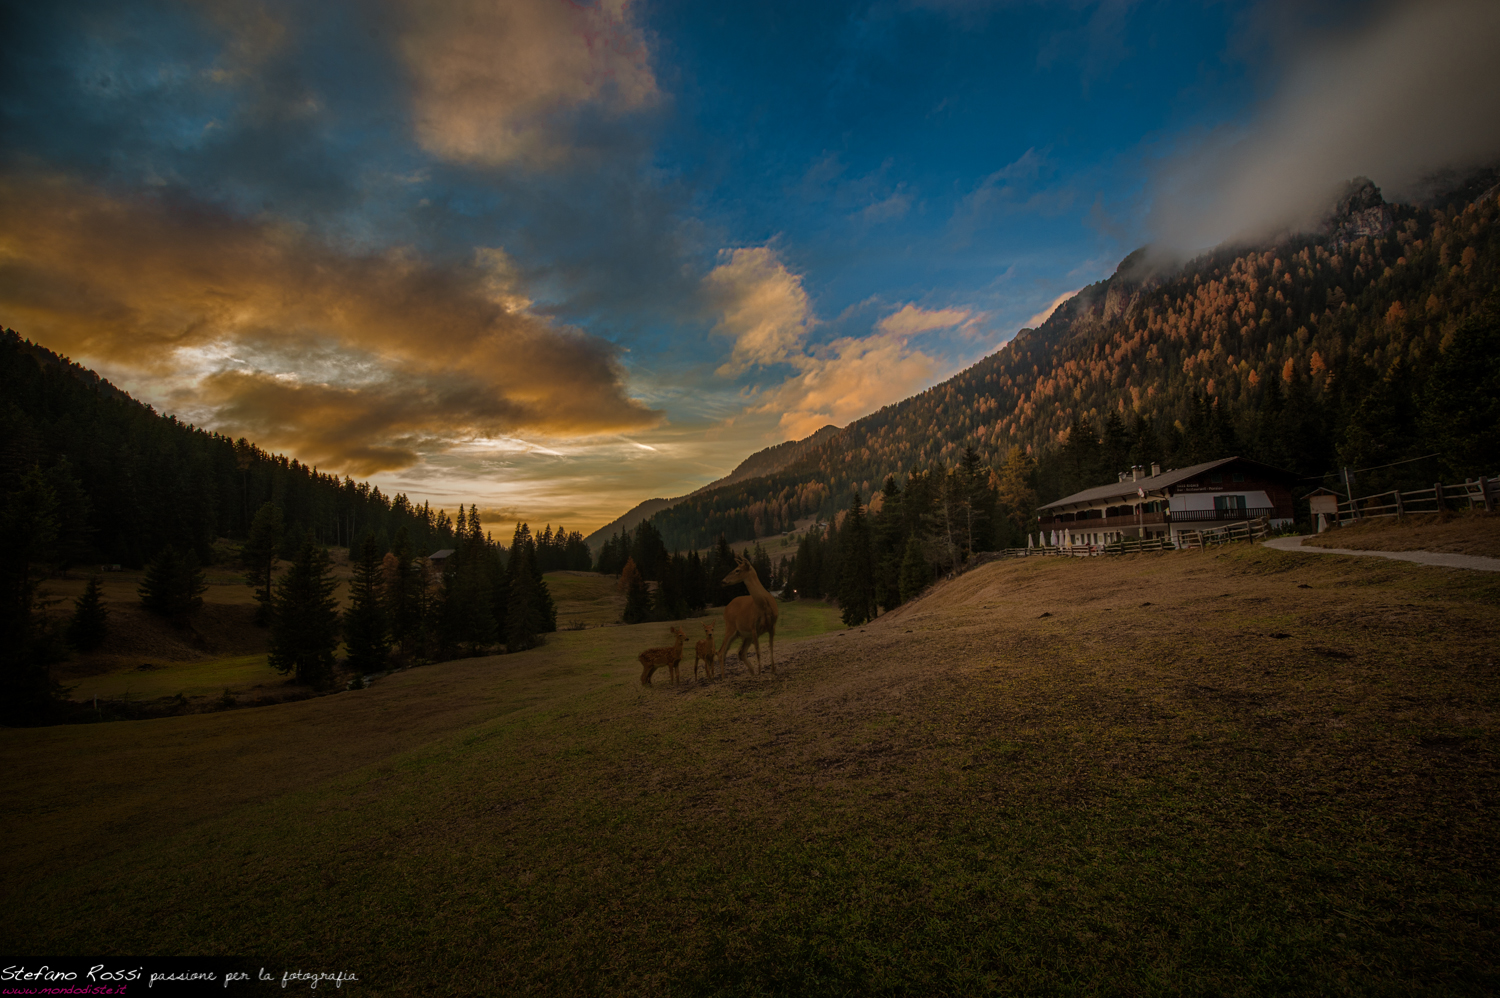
{"points": [[748, 617]]}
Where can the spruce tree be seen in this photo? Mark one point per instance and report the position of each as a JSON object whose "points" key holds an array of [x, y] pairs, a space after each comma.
{"points": [[258, 556], [637, 601], [174, 585], [28, 531], [915, 575], [856, 571], [888, 539], [90, 621], [522, 622], [305, 618], [366, 637], [541, 598]]}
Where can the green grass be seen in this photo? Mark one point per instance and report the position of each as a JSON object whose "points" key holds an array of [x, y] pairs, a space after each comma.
{"points": [[237, 673], [964, 798]]}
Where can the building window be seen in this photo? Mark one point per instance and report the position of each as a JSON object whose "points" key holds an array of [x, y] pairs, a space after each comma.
{"points": [[1238, 476], [1222, 503], [1215, 478]]}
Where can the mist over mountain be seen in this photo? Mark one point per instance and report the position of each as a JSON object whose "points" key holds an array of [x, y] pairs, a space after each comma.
{"points": [[1313, 351]]}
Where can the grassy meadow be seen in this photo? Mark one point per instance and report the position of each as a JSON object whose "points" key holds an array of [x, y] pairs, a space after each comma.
{"points": [[1235, 772]]}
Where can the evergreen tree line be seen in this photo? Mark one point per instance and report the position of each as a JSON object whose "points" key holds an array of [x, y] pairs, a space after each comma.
{"points": [[401, 609], [871, 562], [686, 585], [126, 482]]}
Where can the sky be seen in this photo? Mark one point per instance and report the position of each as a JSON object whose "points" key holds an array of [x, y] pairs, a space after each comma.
{"points": [[555, 257]]}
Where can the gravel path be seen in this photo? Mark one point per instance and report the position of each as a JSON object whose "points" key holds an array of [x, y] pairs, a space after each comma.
{"points": [[1473, 561]]}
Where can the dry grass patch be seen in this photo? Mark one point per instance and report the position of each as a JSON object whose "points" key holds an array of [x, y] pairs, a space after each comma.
{"points": [[1236, 772], [585, 599], [1463, 533]]}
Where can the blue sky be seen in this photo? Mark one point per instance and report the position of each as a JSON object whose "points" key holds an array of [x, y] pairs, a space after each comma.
{"points": [[559, 257]]}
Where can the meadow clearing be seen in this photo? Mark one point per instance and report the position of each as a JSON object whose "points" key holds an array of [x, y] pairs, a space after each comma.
{"points": [[1230, 772]]}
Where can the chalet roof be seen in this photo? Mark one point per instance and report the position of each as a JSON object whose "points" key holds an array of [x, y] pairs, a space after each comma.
{"points": [[440, 555], [1157, 483]]}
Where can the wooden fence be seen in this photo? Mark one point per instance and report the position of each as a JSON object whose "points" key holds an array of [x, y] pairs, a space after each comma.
{"points": [[1246, 530], [1481, 493]]}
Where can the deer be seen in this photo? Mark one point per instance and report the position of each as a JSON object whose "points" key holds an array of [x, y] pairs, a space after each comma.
{"points": [[705, 653], [747, 617], [655, 658]]}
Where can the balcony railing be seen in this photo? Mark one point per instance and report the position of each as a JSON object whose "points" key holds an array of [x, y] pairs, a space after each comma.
{"points": [[1246, 513], [1103, 522], [1150, 519]]}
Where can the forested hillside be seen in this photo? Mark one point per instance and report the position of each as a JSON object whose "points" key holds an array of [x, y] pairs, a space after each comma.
{"points": [[1372, 341], [762, 462], [129, 481]]}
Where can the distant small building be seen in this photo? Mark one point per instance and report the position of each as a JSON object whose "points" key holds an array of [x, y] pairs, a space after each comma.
{"points": [[1164, 503], [439, 559]]}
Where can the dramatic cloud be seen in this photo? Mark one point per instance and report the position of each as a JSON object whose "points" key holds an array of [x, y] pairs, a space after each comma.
{"points": [[762, 306], [361, 362], [849, 378], [1415, 92], [910, 320], [499, 82], [765, 308]]}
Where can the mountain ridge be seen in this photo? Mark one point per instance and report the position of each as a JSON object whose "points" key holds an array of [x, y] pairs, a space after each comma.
{"points": [[1275, 347], [763, 462]]}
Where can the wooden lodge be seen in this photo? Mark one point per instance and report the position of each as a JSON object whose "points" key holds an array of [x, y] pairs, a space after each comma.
{"points": [[1165, 503]]}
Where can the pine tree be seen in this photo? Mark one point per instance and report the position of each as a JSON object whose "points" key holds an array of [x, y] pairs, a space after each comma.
{"points": [[541, 597], [915, 575], [90, 621], [1016, 492], [637, 601], [888, 546], [366, 637], [305, 618], [523, 624], [403, 590], [258, 556], [28, 533], [695, 584], [670, 602], [174, 585], [857, 572], [1462, 401]]}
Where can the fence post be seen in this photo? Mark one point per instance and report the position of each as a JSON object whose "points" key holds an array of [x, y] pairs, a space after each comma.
{"points": [[1484, 490], [1400, 510], [1442, 507]]}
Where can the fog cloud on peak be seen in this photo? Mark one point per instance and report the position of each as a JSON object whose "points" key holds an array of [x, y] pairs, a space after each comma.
{"points": [[1415, 91]]}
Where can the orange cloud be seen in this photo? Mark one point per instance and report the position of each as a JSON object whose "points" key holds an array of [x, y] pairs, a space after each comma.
{"points": [[360, 361], [910, 320], [850, 378], [494, 82], [765, 308], [762, 306]]}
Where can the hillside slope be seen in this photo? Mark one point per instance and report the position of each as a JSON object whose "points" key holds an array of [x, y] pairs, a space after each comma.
{"points": [[1313, 352], [1051, 776], [762, 462]]}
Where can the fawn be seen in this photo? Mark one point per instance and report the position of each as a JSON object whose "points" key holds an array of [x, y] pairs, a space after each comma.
{"points": [[654, 658], [705, 653]]}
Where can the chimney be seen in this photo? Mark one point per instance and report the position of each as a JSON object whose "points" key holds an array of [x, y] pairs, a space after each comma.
{"points": [[1155, 469], [1137, 473]]}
